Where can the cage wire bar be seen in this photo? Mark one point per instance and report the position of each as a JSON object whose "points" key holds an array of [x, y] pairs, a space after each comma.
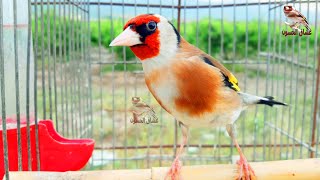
{"points": [[73, 78]]}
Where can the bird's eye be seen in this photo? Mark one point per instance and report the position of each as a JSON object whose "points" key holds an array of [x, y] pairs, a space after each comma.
{"points": [[133, 27], [151, 26]]}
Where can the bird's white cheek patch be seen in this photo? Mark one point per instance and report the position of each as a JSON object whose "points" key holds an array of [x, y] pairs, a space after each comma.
{"points": [[168, 40]]}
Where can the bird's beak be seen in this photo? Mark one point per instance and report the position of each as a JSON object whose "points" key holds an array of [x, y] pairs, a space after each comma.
{"points": [[126, 38]]}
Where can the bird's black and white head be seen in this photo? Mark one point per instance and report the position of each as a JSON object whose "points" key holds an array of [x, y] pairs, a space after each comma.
{"points": [[149, 36]]}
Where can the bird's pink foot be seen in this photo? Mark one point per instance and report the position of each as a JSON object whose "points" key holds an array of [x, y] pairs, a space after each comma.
{"points": [[174, 172], [245, 170]]}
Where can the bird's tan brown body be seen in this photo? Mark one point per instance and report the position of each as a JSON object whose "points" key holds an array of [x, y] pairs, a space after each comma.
{"points": [[193, 91]]}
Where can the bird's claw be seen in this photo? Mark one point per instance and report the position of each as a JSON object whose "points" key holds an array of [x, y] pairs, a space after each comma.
{"points": [[174, 172], [245, 170]]}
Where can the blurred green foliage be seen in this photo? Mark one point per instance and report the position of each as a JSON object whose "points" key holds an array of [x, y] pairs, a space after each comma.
{"points": [[211, 31], [107, 34], [58, 34], [235, 37]]}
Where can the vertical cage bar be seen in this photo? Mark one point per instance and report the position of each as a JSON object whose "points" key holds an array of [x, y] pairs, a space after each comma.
{"points": [[284, 94], [17, 86], [313, 75], [267, 83], [83, 53], [197, 25], [125, 96], [245, 76], [72, 64], [36, 85], [234, 47], [3, 99], [314, 122], [90, 70], [70, 69], [75, 69], [290, 92], [272, 84], [49, 57], [113, 88], [179, 15], [304, 118], [278, 73], [79, 71], [80, 65], [86, 66], [318, 102], [314, 139], [55, 65], [66, 69], [257, 82], [175, 123], [43, 60], [148, 101], [297, 77], [28, 86], [100, 86], [222, 32], [184, 19], [60, 41], [161, 110]]}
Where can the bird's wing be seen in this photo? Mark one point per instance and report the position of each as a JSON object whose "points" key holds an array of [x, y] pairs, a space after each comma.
{"points": [[302, 16], [195, 53], [295, 13], [229, 79]]}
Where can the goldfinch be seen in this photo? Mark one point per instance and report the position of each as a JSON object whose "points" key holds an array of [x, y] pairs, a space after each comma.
{"points": [[296, 17], [188, 83]]}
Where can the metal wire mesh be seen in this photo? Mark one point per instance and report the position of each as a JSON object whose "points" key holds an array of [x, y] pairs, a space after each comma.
{"points": [[51, 75], [67, 73]]}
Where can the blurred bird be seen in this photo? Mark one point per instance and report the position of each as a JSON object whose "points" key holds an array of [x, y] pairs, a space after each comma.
{"points": [[296, 17], [188, 83]]}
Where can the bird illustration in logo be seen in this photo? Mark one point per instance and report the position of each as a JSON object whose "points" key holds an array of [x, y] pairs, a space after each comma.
{"points": [[296, 17]]}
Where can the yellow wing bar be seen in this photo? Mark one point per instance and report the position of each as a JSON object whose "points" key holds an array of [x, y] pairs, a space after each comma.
{"points": [[233, 80]]}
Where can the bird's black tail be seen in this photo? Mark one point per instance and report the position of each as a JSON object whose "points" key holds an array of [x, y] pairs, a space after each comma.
{"points": [[269, 100], [248, 99]]}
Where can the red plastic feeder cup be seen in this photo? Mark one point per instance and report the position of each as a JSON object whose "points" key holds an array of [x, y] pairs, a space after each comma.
{"points": [[56, 152]]}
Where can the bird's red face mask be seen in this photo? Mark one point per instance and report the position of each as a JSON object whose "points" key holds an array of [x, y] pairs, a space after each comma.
{"points": [[141, 35]]}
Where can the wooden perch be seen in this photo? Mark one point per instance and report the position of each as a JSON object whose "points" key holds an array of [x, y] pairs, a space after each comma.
{"points": [[275, 170]]}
